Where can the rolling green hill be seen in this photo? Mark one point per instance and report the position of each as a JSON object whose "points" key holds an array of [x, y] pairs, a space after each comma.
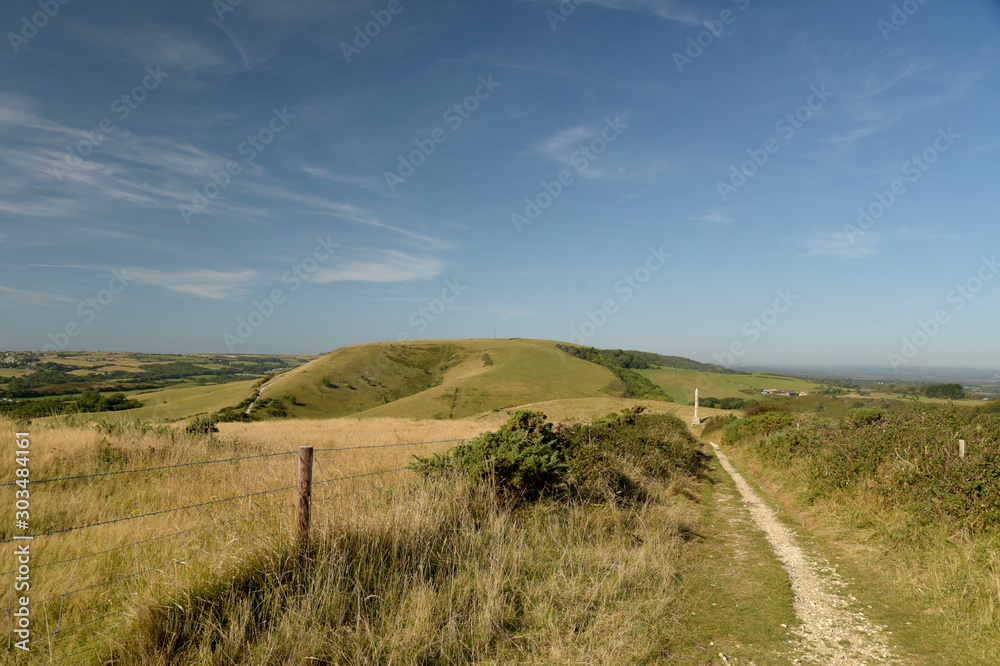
{"points": [[438, 379]]}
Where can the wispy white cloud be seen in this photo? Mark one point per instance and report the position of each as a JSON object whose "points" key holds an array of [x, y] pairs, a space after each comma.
{"points": [[381, 266], [863, 244], [714, 216], [562, 144], [13, 295], [893, 89], [841, 245], [58, 266], [319, 173], [565, 146], [245, 57], [125, 169], [152, 45], [202, 283], [19, 111], [665, 9]]}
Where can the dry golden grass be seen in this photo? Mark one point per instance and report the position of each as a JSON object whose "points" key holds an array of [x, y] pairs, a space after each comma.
{"points": [[556, 584], [577, 410], [427, 573], [60, 450]]}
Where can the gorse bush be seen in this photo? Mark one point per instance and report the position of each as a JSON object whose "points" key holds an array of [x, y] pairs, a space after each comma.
{"points": [[610, 459], [757, 425], [616, 457], [765, 408], [864, 416], [524, 457], [201, 425]]}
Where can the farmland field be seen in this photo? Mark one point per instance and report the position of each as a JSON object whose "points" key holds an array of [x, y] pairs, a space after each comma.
{"points": [[719, 385]]}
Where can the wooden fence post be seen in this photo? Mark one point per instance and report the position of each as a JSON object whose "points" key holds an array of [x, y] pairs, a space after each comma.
{"points": [[305, 493], [961, 448]]}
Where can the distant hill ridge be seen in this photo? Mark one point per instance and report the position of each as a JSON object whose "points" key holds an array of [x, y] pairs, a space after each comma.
{"points": [[640, 360], [446, 379], [681, 363]]}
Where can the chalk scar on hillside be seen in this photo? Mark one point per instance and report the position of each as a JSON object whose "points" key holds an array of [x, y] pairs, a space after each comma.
{"points": [[830, 632]]}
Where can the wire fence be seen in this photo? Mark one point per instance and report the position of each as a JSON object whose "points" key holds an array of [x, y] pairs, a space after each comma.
{"points": [[58, 632]]}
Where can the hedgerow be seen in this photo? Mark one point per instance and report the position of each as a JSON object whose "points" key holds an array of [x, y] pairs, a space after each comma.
{"points": [[910, 457]]}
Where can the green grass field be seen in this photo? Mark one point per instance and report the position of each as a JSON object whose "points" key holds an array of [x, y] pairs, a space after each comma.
{"points": [[175, 403], [182, 402], [681, 383]]}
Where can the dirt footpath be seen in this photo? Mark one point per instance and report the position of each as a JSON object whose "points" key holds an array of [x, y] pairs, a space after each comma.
{"points": [[830, 633]]}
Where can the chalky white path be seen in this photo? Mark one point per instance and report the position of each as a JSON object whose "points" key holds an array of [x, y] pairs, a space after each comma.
{"points": [[830, 632]]}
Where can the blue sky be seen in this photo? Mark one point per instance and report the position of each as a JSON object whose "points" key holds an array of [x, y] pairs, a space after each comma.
{"points": [[679, 177]]}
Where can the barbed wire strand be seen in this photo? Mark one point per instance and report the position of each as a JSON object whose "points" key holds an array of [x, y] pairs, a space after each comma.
{"points": [[386, 446], [228, 499], [222, 460], [139, 543], [10, 605], [157, 513], [63, 596], [122, 611], [153, 469]]}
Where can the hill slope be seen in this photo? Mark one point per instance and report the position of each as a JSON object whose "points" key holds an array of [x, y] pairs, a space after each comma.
{"points": [[438, 379]]}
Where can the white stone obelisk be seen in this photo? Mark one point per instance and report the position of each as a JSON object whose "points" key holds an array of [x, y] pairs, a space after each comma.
{"points": [[696, 420]]}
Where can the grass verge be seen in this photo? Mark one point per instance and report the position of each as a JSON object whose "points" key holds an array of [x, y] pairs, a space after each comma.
{"points": [[738, 601]]}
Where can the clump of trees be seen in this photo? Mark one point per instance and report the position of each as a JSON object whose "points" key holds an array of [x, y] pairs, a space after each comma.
{"points": [[727, 403], [624, 365], [89, 401], [951, 391]]}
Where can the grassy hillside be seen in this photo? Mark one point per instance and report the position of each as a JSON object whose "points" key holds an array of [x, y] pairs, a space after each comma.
{"points": [[183, 401], [437, 379], [682, 383]]}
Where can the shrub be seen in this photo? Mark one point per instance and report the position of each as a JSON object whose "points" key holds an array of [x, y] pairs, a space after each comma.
{"points": [[523, 458], [269, 408], [612, 458], [609, 459], [728, 403], [864, 416], [758, 425], [765, 408], [201, 425], [113, 426]]}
